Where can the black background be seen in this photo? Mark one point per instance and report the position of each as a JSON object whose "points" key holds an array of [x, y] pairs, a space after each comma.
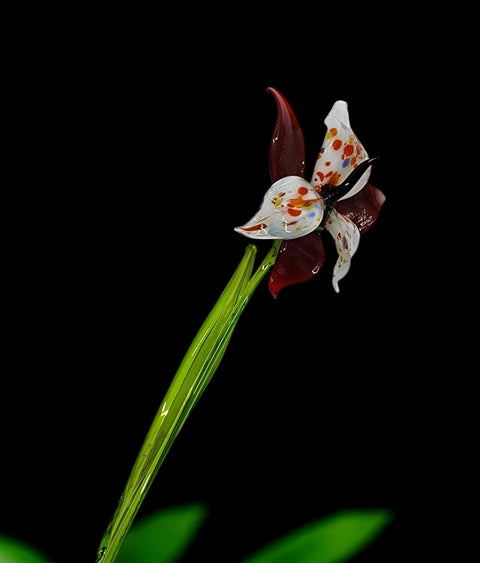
{"points": [[139, 141]]}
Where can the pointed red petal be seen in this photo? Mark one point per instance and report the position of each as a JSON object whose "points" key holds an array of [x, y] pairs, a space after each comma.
{"points": [[298, 260], [287, 149], [363, 208]]}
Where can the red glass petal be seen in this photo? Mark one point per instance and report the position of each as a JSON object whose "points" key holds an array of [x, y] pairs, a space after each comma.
{"points": [[363, 208], [287, 149], [298, 260]]}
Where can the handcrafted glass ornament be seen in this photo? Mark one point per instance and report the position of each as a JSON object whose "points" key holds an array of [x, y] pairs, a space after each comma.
{"points": [[294, 213], [338, 198]]}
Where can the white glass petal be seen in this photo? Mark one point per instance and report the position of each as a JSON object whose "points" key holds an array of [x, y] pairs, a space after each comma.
{"points": [[291, 208], [347, 238], [340, 153]]}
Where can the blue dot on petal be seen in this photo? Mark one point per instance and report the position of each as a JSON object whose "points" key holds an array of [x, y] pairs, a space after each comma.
{"points": [[346, 162]]}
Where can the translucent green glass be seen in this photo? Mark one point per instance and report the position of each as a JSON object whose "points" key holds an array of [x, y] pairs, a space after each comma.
{"points": [[193, 375]]}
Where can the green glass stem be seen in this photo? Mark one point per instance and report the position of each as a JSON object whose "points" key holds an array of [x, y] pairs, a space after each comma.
{"points": [[192, 377]]}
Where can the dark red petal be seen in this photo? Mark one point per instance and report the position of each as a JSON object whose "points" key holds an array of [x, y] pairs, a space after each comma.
{"points": [[287, 149], [298, 260], [363, 208]]}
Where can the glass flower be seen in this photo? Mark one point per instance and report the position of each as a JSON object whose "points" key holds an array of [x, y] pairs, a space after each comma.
{"points": [[338, 198]]}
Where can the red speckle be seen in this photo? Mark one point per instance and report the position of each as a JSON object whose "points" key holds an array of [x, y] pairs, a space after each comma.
{"points": [[294, 212], [302, 190], [337, 144], [255, 227], [348, 150]]}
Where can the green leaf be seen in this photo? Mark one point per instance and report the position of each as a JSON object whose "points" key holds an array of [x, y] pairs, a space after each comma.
{"points": [[162, 537], [15, 551], [332, 539]]}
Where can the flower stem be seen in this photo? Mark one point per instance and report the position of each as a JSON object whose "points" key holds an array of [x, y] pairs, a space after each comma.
{"points": [[192, 377]]}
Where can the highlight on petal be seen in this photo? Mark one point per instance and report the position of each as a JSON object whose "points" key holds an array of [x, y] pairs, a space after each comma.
{"points": [[291, 208], [347, 238], [298, 260], [287, 148], [363, 208], [340, 153]]}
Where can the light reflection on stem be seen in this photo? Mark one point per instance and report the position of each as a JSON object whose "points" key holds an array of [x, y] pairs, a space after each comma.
{"points": [[192, 377]]}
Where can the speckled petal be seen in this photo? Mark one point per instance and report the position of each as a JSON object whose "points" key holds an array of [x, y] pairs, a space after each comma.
{"points": [[291, 208], [298, 260], [340, 153], [347, 238]]}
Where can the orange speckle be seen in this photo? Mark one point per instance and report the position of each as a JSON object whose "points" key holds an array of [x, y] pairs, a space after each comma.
{"points": [[296, 202], [337, 144], [335, 179], [333, 132]]}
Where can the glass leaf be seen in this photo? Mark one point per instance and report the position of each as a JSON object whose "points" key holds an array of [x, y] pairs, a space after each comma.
{"points": [[333, 539], [164, 536]]}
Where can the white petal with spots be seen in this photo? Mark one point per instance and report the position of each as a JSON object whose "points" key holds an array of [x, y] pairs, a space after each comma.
{"points": [[347, 238], [291, 208], [340, 153]]}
